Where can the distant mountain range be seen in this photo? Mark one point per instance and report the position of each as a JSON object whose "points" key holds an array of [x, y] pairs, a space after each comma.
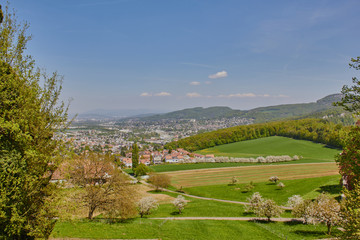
{"points": [[262, 114], [101, 114]]}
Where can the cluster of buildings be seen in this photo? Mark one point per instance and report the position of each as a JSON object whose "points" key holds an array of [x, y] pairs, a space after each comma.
{"points": [[164, 157]]}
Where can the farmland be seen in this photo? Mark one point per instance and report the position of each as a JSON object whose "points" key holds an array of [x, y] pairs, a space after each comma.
{"points": [[315, 173], [201, 177]]}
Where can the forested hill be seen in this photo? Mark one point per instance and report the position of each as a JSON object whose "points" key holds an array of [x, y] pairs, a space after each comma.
{"points": [[258, 115], [316, 130]]}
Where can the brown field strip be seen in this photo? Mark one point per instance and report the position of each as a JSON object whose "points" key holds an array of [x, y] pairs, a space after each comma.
{"points": [[245, 174]]}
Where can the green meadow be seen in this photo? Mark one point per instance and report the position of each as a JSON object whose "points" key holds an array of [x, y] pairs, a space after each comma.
{"points": [[188, 229], [276, 146], [308, 188]]}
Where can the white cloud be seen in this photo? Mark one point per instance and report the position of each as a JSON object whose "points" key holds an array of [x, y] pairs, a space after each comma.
{"points": [[162, 94], [282, 96], [208, 82], [238, 95], [195, 83], [193, 95], [250, 95], [146, 94], [221, 74]]}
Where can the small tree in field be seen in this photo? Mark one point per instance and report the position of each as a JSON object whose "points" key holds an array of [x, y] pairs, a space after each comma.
{"points": [[269, 209], [294, 200], [274, 179], [304, 209], [327, 210], [160, 181], [233, 181], [179, 203], [145, 205], [248, 187], [281, 185], [103, 186], [255, 200]]}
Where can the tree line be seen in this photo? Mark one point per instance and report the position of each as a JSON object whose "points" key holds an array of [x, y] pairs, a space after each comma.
{"points": [[316, 130]]}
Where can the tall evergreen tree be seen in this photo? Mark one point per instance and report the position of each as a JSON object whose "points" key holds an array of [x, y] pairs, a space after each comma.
{"points": [[135, 156]]}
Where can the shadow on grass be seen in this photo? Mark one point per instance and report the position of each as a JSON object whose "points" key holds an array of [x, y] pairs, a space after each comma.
{"points": [[294, 223], [248, 214], [175, 213], [332, 189], [260, 221], [155, 191], [309, 233], [110, 220]]}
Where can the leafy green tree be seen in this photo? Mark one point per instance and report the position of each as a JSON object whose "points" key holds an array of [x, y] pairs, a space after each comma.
{"points": [[350, 213], [29, 154], [348, 160], [141, 170], [123, 152], [351, 99], [135, 156]]}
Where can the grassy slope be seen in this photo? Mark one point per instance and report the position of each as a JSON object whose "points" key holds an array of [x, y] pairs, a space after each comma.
{"points": [[308, 188], [312, 152]]}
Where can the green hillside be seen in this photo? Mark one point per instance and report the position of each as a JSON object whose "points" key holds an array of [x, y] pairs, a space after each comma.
{"points": [[315, 130], [258, 115], [275, 146]]}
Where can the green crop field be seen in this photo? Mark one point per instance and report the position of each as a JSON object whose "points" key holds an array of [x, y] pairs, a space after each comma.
{"points": [[258, 173], [310, 151]]}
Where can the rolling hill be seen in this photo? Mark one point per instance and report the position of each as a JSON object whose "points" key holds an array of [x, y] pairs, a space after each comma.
{"points": [[258, 115]]}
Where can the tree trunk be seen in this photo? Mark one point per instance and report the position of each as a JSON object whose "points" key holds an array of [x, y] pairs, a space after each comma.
{"points": [[329, 227], [91, 212]]}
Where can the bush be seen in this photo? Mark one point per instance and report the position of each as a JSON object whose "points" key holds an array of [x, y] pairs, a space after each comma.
{"points": [[141, 170], [160, 180]]}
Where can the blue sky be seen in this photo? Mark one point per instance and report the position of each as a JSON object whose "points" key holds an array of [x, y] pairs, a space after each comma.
{"points": [[169, 54]]}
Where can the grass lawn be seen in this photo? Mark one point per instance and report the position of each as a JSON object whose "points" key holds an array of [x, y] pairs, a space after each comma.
{"points": [[308, 188], [187, 229], [310, 151]]}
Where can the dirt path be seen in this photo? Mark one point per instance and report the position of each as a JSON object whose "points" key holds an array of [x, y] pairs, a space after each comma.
{"points": [[231, 219]]}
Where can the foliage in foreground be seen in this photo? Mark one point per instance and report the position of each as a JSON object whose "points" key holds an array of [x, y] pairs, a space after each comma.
{"points": [[29, 117], [350, 211]]}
